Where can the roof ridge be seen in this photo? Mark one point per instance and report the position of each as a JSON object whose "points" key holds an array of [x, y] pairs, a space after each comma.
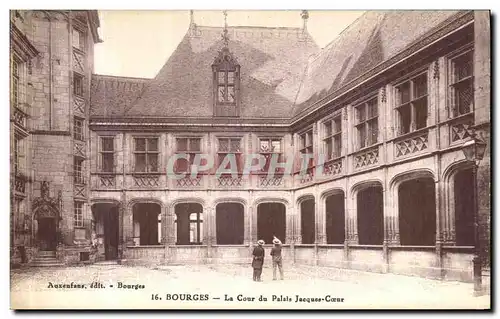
{"points": [[248, 27], [121, 77]]}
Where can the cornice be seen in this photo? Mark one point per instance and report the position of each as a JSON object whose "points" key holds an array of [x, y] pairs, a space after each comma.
{"points": [[21, 44]]}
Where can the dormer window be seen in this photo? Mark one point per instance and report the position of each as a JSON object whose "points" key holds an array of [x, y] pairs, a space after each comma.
{"points": [[226, 79]]}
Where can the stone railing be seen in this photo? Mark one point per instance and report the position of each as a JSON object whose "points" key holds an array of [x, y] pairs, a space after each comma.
{"points": [[411, 143], [366, 158]]}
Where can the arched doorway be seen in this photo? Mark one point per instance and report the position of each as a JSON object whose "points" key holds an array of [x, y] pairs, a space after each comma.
{"points": [[147, 223], [417, 212], [230, 223], [189, 224], [307, 221], [370, 211], [106, 227], [335, 218], [271, 221]]}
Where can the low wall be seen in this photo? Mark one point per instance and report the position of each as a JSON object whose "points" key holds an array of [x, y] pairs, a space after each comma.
{"points": [[456, 263], [414, 261], [366, 258], [144, 254]]}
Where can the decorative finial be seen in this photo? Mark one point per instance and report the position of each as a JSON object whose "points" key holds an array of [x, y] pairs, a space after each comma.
{"points": [[191, 17], [225, 37], [304, 15]]}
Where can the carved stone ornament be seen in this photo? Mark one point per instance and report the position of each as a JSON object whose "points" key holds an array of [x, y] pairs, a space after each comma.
{"points": [[46, 206]]}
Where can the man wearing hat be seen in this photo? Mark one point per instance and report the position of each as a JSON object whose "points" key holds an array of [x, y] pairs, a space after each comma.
{"points": [[258, 260], [277, 259]]}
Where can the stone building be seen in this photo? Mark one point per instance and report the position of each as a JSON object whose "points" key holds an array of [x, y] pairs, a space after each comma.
{"points": [[383, 111], [51, 67]]}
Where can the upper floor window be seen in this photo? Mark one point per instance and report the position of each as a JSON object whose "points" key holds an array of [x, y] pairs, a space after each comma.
{"points": [[78, 170], [411, 104], [230, 147], [78, 129], [107, 154], [146, 154], [77, 84], [270, 147], [367, 123], [306, 145], [78, 217], [226, 79], [78, 38], [19, 154], [461, 92], [15, 79], [333, 137], [190, 147]]}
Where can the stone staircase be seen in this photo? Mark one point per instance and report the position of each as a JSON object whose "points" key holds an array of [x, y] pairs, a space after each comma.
{"points": [[46, 259]]}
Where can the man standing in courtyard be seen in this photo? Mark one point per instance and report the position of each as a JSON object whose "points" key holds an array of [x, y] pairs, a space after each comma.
{"points": [[258, 260], [277, 258]]}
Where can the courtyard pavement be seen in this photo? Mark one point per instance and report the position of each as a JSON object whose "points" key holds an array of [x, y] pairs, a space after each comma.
{"points": [[220, 287]]}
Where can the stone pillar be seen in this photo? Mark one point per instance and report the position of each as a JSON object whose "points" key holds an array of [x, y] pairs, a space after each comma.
{"points": [[248, 236], [297, 221], [290, 228], [351, 225], [482, 106], [121, 242], [210, 231], [321, 220], [253, 209], [128, 226]]}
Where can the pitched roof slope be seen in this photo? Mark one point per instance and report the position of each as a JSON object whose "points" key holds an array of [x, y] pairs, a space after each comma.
{"points": [[110, 95], [373, 38], [272, 62]]}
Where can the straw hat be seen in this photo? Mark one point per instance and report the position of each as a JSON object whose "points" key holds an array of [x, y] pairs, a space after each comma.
{"points": [[276, 241], [260, 242]]}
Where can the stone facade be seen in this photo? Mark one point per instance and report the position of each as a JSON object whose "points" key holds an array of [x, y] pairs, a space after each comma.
{"points": [[51, 147], [427, 158]]}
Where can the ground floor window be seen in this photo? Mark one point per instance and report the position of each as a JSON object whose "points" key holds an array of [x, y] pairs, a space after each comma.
{"points": [[370, 216], [147, 223], [230, 223], [271, 221], [307, 221], [417, 212], [189, 224], [335, 219]]}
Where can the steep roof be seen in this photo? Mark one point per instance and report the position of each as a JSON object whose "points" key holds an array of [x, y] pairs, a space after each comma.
{"points": [[272, 62], [110, 95], [373, 38], [283, 73]]}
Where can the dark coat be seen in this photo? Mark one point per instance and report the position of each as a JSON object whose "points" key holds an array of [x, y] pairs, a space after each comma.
{"points": [[276, 253], [258, 257]]}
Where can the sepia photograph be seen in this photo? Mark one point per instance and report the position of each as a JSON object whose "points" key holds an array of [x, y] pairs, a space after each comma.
{"points": [[250, 159]]}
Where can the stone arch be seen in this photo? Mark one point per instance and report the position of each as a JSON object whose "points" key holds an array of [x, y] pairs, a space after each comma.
{"points": [[414, 185], [365, 225], [138, 224], [449, 234], [335, 221], [307, 219], [269, 224], [181, 223], [230, 214], [409, 175]]}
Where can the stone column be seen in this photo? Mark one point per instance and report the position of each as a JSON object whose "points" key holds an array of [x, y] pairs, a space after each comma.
{"points": [[482, 105], [248, 236], [290, 227], [121, 242], [321, 220], [351, 225]]}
